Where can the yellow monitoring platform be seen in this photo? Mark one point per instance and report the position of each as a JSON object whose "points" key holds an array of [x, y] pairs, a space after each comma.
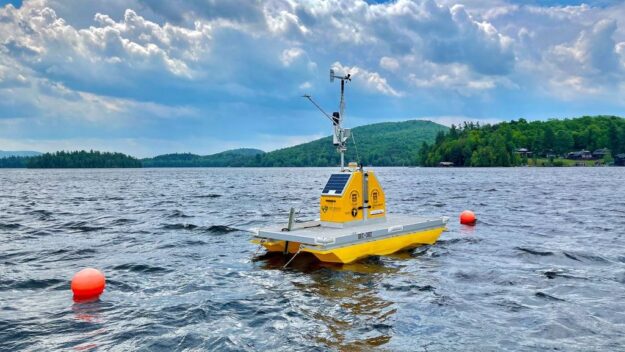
{"points": [[351, 197]]}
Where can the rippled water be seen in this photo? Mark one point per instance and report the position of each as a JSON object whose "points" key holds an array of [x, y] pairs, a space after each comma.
{"points": [[543, 269]]}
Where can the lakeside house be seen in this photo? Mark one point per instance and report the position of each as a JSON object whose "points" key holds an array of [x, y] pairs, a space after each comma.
{"points": [[600, 153], [580, 155], [619, 159], [524, 152]]}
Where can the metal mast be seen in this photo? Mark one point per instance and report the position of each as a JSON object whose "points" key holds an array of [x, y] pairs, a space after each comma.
{"points": [[338, 129], [340, 134]]}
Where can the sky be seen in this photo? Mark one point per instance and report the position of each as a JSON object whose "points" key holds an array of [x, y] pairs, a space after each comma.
{"points": [[148, 77]]}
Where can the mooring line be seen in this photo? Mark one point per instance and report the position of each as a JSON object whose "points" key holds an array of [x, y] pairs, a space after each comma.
{"points": [[293, 257]]}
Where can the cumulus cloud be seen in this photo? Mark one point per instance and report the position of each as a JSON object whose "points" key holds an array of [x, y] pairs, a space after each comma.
{"points": [[45, 42], [456, 77], [132, 62], [389, 63], [588, 65], [290, 55], [372, 81]]}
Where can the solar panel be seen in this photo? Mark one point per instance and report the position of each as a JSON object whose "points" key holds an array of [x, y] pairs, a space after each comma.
{"points": [[336, 184]]}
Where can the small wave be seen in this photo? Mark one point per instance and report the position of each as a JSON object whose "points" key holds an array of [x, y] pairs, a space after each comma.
{"points": [[30, 284], [87, 199], [178, 214], [113, 198], [10, 226], [81, 226], [578, 256], [463, 275], [534, 251], [419, 251], [163, 202], [552, 274], [221, 229], [67, 254], [39, 233], [119, 285], [193, 243], [42, 213], [166, 246], [141, 268], [222, 343], [85, 251], [409, 287], [211, 195], [512, 306], [179, 226], [543, 295], [123, 221], [459, 240]]}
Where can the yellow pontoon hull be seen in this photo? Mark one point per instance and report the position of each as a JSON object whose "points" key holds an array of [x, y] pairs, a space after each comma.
{"points": [[355, 251]]}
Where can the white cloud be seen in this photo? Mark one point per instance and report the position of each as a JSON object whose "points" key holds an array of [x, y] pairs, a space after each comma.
{"points": [[372, 81], [388, 63], [455, 77], [289, 55], [590, 65], [38, 38], [124, 63]]}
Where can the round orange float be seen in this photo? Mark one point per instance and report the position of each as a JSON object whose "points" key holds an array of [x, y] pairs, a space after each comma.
{"points": [[467, 217], [88, 283]]}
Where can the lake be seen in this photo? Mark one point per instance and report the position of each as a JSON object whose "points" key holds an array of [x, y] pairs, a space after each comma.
{"points": [[543, 269]]}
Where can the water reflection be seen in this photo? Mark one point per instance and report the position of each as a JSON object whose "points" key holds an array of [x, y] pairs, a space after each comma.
{"points": [[355, 315], [88, 310]]}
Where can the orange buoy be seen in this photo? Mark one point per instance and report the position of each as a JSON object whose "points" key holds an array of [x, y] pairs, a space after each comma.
{"points": [[88, 283], [467, 217]]}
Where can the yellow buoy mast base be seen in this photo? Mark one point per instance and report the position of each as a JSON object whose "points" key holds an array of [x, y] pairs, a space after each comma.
{"points": [[353, 221]]}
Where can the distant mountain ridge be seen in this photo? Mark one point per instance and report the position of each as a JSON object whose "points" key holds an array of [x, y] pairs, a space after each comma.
{"points": [[18, 153], [234, 157], [380, 144]]}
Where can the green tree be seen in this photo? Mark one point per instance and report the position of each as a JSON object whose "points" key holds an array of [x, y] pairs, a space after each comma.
{"points": [[563, 142], [549, 138], [495, 145]]}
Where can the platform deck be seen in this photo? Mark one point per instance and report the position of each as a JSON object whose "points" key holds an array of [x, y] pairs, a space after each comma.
{"points": [[314, 234]]}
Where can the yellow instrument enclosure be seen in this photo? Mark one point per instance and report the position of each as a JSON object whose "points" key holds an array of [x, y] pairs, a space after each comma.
{"points": [[349, 205]]}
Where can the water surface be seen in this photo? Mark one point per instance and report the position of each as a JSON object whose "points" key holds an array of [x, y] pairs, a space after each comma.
{"points": [[543, 269]]}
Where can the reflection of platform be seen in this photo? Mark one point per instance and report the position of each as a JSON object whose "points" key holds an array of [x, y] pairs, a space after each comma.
{"points": [[312, 235]]}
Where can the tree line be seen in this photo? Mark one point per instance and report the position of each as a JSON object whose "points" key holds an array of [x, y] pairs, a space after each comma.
{"points": [[79, 159], [473, 144], [405, 143]]}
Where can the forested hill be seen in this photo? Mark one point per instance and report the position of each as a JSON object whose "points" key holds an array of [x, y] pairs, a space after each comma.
{"points": [[497, 145], [80, 159], [380, 144], [235, 157]]}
